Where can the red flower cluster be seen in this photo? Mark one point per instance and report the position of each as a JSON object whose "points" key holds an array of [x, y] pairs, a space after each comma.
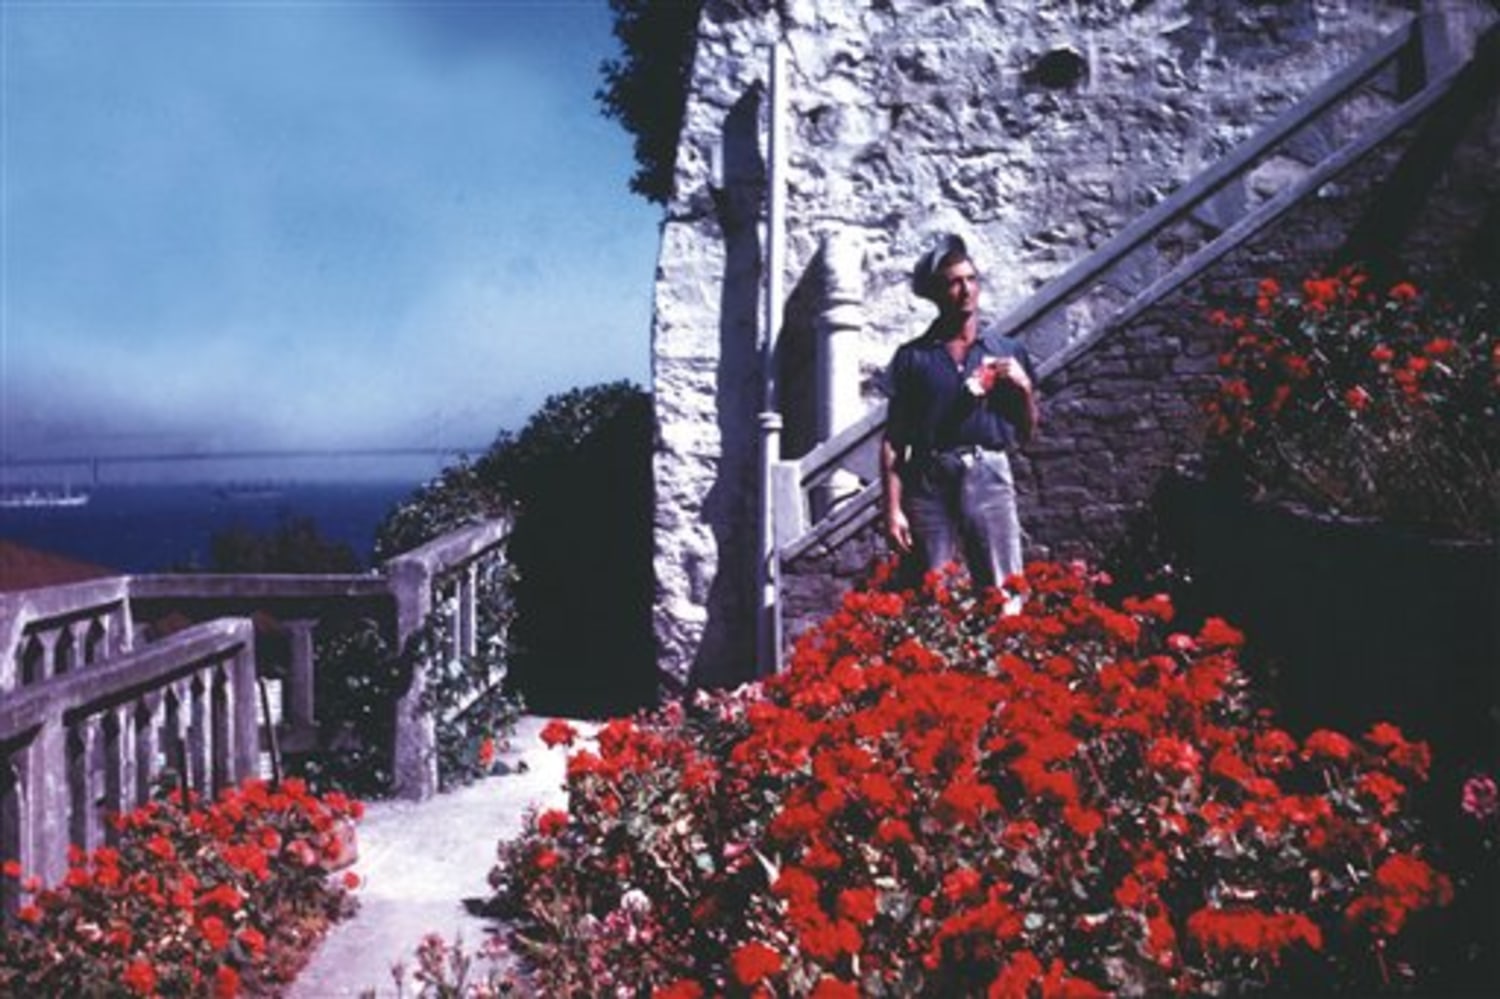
{"points": [[938, 799], [189, 899]]}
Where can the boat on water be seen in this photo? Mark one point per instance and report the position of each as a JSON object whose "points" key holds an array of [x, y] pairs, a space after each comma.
{"points": [[37, 498], [242, 491]]}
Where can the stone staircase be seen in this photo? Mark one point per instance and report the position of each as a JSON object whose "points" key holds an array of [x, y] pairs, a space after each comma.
{"points": [[1120, 352]]}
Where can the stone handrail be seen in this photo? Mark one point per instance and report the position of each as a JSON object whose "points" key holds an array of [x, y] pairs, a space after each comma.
{"points": [[77, 746], [1425, 68], [417, 580], [91, 712]]}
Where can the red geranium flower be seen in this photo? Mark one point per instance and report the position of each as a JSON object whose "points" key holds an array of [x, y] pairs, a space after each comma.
{"points": [[252, 940], [558, 733], [226, 982], [139, 977], [753, 962], [214, 932]]}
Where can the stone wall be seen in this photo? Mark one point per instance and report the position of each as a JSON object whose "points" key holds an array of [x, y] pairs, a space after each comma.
{"points": [[1036, 129]]}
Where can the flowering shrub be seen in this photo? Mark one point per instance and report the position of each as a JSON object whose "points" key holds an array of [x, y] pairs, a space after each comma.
{"points": [[446, 970], [938, 799], [193, 898], [1365, 402]]}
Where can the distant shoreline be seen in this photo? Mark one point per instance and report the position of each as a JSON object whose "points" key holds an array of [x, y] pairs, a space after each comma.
{"points": [[151, 527]]}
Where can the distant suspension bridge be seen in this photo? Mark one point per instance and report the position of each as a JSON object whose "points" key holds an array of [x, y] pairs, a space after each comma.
{"points": [[93, 463]]}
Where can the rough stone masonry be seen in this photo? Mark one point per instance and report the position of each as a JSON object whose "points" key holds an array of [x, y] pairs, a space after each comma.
{"points": [[1037, 129]]}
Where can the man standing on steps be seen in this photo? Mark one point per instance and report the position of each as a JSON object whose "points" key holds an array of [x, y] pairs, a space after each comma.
{"points": [[961, 398]]}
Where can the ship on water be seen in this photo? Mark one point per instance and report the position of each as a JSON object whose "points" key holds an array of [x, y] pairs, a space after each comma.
{"points": [[38, 497]]}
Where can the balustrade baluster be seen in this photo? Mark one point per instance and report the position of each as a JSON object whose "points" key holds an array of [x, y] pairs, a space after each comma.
{"points": [[96, 641], [65, 650], [221, 721], [148, 717], [174, 744], [117, 764], [121, 629], [300, 709], [200, 774], [468, 609], [33, 662], [84, 782], [44, 667], [453, 603]]}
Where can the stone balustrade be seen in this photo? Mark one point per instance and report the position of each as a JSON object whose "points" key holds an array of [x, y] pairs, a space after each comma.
{"points": [[104, 685], [79, 746]]}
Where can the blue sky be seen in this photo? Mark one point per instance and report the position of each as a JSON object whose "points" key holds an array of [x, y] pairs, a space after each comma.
{"points": [[309, 224]]}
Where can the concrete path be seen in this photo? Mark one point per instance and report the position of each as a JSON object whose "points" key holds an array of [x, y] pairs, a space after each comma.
{"points": [[421, 861]]}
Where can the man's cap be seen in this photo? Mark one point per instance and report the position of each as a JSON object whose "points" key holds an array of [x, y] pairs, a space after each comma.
{"points": [[948, 246]]}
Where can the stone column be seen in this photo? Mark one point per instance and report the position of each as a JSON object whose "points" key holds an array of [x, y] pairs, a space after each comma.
{"points": [[44, 825], [85, 783], [838, 327], [243, 711], [415, 764], [301, 680]]}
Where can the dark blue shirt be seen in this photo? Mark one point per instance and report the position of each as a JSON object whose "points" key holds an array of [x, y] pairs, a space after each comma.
{"points": [[931, 410]]}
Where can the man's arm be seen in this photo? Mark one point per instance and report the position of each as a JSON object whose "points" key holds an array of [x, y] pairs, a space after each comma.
{"points": [[1015, 371], [1029, 416], [897, 530]]}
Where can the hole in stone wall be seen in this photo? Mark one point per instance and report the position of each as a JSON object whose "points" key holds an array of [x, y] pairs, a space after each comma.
{"points": [[1060, 69]]}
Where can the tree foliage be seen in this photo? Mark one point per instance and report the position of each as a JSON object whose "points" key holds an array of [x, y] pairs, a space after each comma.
{"points": [[295, 544], [576, 481], [646, 88]]}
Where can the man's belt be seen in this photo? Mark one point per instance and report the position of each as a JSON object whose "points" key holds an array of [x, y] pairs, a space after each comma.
{"points": [[965, 454], [969, 452]]}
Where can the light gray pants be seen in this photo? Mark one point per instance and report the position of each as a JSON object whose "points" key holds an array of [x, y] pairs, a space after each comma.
{"points": [[965, 502]]}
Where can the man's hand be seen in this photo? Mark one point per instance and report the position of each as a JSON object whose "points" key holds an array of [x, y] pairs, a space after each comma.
{"points": [[1011, 370], [897, 530]]}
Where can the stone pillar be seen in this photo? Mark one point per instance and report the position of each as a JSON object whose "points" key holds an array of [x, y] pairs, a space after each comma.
{"points": [[44, 833], [415, 765], [838, 328], [244, 711], [301, 680], [85, 784]]}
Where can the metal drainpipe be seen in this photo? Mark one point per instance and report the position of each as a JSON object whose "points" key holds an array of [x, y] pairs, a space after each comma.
{"points": [[768, 631]]}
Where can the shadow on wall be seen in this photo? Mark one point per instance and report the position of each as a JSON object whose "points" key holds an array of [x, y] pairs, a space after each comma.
{"points": [[1456, 145], [726, 652]]}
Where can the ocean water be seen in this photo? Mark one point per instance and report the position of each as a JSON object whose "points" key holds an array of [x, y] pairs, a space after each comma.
{"points": [[152, 528]]}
